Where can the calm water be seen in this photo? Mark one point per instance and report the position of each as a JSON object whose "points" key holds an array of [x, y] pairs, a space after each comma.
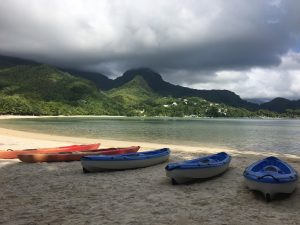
{"points": [[243, 134]]}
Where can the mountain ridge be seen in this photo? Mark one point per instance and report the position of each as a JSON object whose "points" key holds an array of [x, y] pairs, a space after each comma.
{"points": [[134, 91], [160, 87], [101, 81], [164, 88], [280, 105], [9, 61]]}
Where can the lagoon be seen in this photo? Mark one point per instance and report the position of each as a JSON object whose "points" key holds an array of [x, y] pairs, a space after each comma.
{"points": [[276, 135]]}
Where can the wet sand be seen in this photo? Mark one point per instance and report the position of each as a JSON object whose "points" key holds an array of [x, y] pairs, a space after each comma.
{"points": [[59, 193]]}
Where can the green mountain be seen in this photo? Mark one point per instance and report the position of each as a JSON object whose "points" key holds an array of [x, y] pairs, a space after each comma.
{"points": [[164, 88], [28, 87], [42, 89], [140, 100], [134, 91], [101, 81], [280, 105], [44, 82], [7, 61], [37, 89]]}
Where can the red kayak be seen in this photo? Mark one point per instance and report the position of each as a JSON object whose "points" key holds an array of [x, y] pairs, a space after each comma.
{"points": [[13, 154], [74, 156]]}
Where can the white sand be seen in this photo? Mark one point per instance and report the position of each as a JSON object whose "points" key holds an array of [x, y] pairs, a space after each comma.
{"points": [[59, 193]]}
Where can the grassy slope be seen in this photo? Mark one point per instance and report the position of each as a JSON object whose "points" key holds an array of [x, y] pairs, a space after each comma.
{"points": [[135, 91]]}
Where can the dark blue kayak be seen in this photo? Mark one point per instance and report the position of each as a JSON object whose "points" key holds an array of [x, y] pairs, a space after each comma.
{"points": [[97, 163], [210, 161], [271, 170], [130, 156], [199, 168]]}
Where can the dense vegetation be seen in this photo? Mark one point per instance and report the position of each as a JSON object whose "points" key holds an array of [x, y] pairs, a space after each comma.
{"points": [[35, 89], [44, 90]]}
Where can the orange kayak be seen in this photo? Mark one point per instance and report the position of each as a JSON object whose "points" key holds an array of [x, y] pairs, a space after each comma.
{"points": [[74, 156], [13, 154]]}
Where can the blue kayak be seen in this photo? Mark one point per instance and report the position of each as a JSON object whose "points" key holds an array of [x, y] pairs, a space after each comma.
{"points": [[199, 168], [94, 163], [271, 176]]}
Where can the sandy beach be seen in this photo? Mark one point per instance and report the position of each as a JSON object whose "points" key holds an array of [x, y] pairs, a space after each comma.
{"points": [[59, 193]]}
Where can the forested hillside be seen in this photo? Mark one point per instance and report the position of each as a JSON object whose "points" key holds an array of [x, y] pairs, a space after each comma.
{"points": [[44, 90], [29, 88]]}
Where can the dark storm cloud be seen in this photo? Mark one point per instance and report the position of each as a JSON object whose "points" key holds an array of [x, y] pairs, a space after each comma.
{"points": [[189, 41]]}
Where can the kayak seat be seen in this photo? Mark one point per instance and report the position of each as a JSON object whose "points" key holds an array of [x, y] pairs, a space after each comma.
{"points": [[204, 161], [272, 169]]}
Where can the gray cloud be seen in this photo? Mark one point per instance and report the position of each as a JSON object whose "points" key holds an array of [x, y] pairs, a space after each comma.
{"points": [[190, 42]]}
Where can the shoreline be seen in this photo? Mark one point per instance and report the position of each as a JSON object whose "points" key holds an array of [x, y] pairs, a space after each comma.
{"points": [[2, 117], [36, 140], [59, 193]]}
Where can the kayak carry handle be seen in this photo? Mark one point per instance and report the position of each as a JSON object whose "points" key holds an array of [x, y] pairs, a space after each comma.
{"points": [[268, 175]]}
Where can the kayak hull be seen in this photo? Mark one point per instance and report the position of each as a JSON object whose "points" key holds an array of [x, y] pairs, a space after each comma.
{"points": [[183, 176], [271, 176], [199, 168], [269, 190], [123, 162], [73, 156]]}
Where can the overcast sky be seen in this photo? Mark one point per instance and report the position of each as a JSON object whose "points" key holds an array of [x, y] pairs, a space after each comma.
{"points": [[249, 47]]}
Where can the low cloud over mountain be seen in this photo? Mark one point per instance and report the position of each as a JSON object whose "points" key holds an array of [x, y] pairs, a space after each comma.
{"points": [[249, 47]]}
